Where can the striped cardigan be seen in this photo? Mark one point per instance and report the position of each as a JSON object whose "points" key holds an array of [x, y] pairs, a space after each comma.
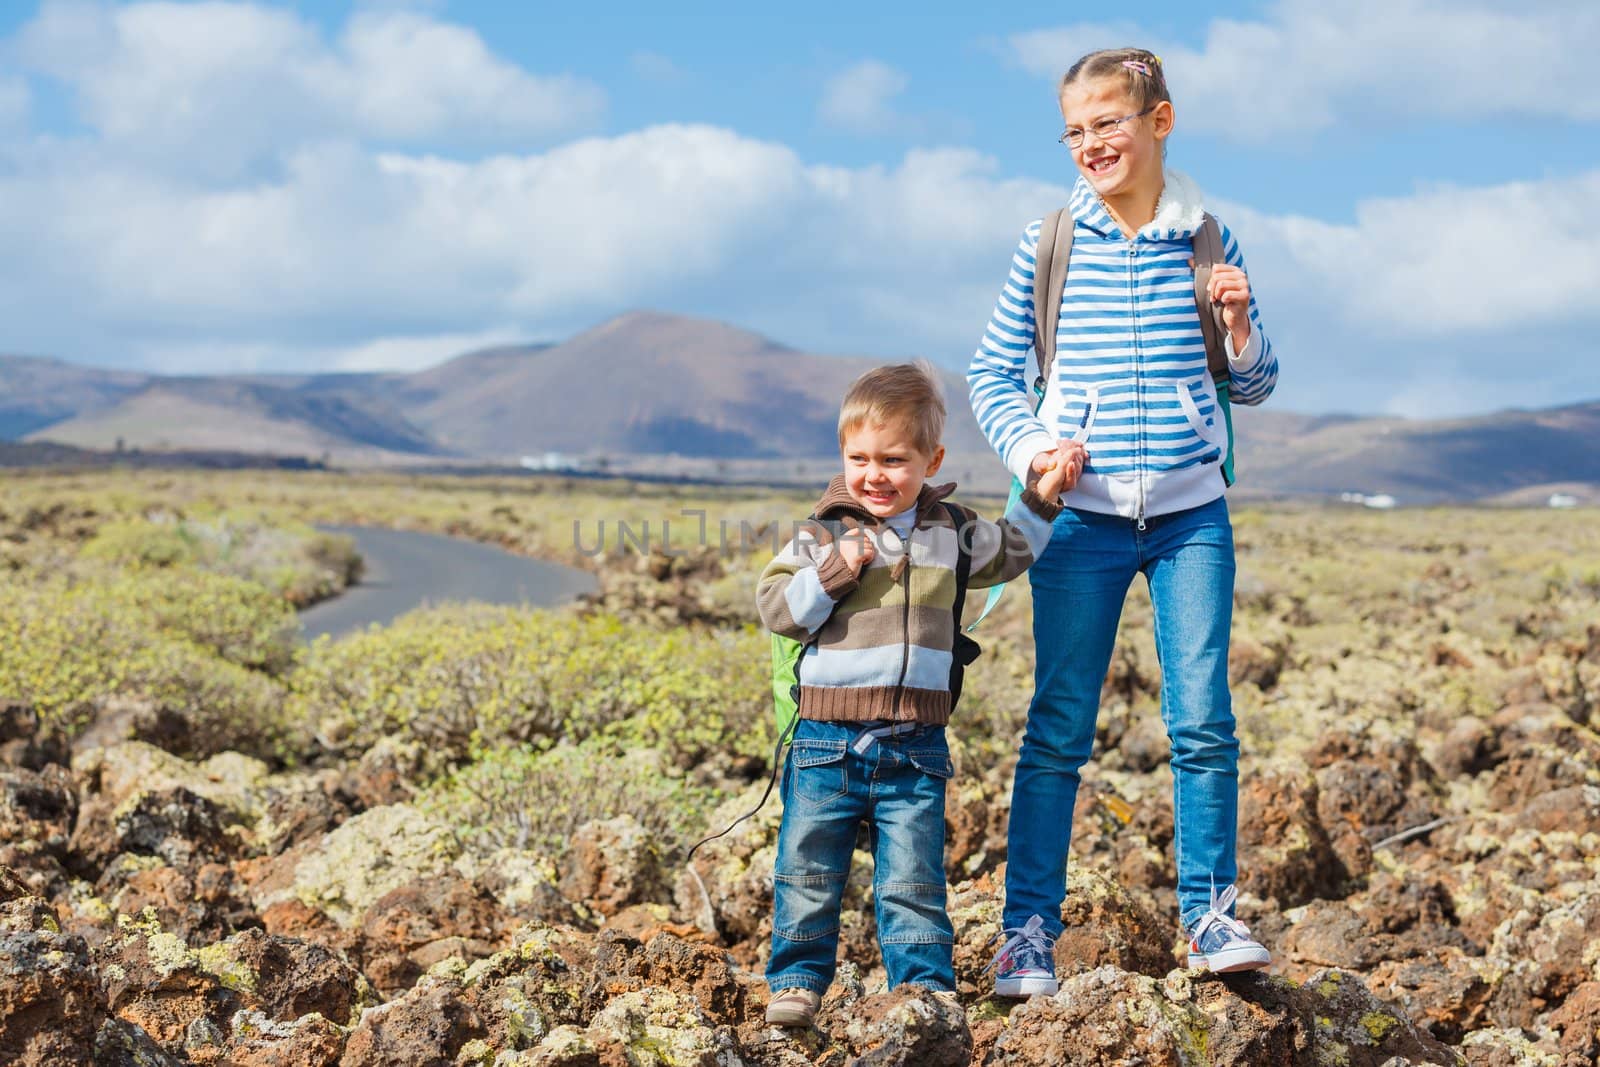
{"points": [[1130, 378], [881, 645]]}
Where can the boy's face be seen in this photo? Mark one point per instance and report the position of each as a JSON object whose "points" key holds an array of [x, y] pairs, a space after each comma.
{"points": [[883, 470]]}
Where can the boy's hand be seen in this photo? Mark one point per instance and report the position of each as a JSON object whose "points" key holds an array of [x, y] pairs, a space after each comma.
{"points": [[857, 549], [1059, 470]]}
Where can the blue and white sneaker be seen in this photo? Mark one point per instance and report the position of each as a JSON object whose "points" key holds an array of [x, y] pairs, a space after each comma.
{"points": [[1223, 944], [1026, 963]]}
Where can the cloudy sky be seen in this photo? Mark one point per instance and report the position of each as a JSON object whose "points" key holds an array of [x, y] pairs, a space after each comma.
{"points": [[326, 184]]}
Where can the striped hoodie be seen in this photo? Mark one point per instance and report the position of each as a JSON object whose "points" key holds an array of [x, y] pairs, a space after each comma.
{"points": [[1130, 378], [881, 646]]}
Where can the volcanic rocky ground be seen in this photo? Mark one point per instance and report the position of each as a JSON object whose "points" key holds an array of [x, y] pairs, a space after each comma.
{"points": [[1430, 886]]}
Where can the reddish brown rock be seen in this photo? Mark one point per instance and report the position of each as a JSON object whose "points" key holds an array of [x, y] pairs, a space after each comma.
{"points": [[50, 1001], [905, 1027], [1370, 786], [1284, 853], [284, 978], [121, 1044], [422, 922], [25, 742], [1578, 1022], [1547, 958], [258, 1041], [37, 811], [614, 863], [152, 980], [1443, 992], [200, 908], [424, 1028], [692, 968]]}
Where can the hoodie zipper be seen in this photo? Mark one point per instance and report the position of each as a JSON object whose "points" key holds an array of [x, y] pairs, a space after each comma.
{"points": [[905, 624], [1138, 375]]}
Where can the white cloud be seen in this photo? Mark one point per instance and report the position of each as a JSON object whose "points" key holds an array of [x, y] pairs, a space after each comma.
{"points": [[1449, 261], [1306, 65], [15, 102], [231, 83], [862, 99]]}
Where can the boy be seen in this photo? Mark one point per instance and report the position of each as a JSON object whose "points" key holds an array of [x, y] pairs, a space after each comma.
{"points": [[875, 606]]}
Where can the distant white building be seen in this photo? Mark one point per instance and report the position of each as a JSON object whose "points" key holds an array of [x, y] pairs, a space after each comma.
{"points": [[550, 461], [1563, 500], [1380, 501]]}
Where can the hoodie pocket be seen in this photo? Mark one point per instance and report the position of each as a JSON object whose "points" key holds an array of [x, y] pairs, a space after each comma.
{"points": [[1079, 405], [1209, 428]]}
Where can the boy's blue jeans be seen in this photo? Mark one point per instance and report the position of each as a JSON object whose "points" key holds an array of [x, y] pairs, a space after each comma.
{"points": [[897, 787], [1079, 584]]}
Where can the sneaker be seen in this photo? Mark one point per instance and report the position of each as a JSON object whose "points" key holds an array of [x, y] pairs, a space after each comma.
{"points": [[1026, 963], [1223, 944], [794, 1006]]}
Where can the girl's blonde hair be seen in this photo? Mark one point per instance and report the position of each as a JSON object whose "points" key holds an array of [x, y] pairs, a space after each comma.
{"points": [[904, 395], [1138, 69]]}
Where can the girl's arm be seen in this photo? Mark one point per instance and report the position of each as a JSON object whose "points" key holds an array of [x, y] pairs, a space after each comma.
{"points": [[1253, 369], [997, 378]]}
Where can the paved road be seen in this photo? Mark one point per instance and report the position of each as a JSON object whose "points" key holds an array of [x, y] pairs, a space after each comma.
{"points": [[405, 570]]}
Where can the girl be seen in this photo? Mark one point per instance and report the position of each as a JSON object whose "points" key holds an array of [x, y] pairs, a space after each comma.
{"points": [[1130, 382]]}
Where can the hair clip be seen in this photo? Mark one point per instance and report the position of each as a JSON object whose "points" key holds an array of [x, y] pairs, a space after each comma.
{"points": [[1134, 64]]}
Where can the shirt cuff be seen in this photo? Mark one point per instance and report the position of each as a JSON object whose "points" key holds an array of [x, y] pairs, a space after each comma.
{"points": [[1240, 362], [1045, 509], [1020, 458], [838, 580]]}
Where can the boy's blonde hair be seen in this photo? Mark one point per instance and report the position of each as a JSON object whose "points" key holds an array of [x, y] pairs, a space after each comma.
{"points": [[905, 395]]}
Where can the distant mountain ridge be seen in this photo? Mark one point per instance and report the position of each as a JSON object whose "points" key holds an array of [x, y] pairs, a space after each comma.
{"points": [[649, 387]]}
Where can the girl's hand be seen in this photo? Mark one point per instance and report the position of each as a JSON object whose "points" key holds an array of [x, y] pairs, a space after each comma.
{"points": [[1065, 465], [1231, 289], [856, 548]]}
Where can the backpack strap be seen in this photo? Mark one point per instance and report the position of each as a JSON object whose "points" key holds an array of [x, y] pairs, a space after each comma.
{"points": [[1049, 279], [963, 649], [1207, 254]]}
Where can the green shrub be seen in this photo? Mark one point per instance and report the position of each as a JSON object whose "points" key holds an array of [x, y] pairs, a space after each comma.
{"points": [[67, 650], [519, 796], [291, 560], [463, 677]]}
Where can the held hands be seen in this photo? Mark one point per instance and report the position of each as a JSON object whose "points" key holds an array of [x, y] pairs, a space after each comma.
{"points": [[1059, 470], [856, 547]]}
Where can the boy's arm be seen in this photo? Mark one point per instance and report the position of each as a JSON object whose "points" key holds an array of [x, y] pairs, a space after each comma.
{"points": [[798, 590], [1002, 550]]}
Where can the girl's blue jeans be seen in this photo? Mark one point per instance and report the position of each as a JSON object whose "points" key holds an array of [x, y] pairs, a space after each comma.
{"points": [[1079, 584], [897, 788]]}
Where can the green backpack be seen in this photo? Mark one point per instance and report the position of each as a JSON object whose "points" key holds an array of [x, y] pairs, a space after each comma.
{"points": [[1050, 278], [787, 653]]}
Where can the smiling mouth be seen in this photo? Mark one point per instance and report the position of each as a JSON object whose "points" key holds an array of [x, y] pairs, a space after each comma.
{"points": [[1103, 164], [880, 498]]}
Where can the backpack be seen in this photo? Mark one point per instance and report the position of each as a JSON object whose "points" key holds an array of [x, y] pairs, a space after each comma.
{"points": [[1050, 278], [787, 653]]}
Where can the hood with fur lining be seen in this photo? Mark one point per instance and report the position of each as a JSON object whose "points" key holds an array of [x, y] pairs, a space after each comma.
{"points": [[1179, 212]]}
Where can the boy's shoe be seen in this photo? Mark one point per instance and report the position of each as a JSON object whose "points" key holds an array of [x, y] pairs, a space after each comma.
{"points": [[794, 1006], [1223, 944], [1025, 964]]}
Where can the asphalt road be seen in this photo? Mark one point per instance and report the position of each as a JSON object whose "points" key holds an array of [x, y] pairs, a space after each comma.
{"points": [[406, 570]]}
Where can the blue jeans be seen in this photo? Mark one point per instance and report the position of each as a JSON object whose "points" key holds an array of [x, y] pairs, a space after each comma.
{"points": [[1079, 584], [897, 787]]}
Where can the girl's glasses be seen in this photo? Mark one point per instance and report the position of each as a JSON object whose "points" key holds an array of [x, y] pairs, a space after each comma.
{"points": [[1104, 129]]}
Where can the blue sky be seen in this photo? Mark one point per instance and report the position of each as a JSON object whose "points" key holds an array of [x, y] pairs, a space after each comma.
{"points": [[335, 185]]}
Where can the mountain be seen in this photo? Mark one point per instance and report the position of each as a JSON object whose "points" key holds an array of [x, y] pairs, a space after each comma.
{"points": [[648, 383], [35, 392], [653, 392]]}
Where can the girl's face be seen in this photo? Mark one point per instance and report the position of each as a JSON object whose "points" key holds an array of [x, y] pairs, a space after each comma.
{"points": [[1127, 157]]}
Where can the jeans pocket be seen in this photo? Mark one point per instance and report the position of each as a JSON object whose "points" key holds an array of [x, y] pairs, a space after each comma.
{"points": [[934, 762], [817, 769]]}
